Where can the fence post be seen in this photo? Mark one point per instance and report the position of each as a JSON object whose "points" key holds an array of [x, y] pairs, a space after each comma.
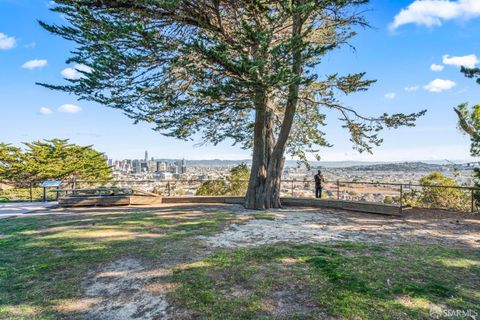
{"points": [[292, 189], [473, 201], [31, 192], [74, 186], [401, 199], [338, 189]]}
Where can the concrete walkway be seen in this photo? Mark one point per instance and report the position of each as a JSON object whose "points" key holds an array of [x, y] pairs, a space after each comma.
{"points": [[14, 209]]}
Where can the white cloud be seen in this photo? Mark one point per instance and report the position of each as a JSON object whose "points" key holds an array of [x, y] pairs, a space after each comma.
{"points": [[6, 42], [469, 61], [74, 73], [69, 73], [439, 85], [34, 64], [45, 111], [434, 12], [411, 88], [437, 67], [69, 108], [390, 95]]}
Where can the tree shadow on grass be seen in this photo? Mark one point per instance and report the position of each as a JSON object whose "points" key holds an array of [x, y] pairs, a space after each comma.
{"points": [[43, 259], [346, 280]]}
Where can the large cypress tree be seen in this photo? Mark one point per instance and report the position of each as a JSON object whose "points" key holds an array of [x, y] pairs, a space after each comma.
{"points": [[52, 159], [239, 69]]}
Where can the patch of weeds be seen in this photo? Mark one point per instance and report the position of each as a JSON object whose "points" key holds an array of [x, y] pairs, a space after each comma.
{"points": [[263, 216]]}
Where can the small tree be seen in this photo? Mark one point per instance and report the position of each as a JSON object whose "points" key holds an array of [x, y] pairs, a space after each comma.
{"points": [[242, 70], [238, 180], [433, 195], [212, 188], [237, 183], [52, 159]]}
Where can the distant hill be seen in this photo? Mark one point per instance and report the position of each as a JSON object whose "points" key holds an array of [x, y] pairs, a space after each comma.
{"points": [[427, 165], [404, 166]]}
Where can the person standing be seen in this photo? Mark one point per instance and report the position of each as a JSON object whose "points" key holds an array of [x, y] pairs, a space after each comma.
{"points": [[319, 179]]}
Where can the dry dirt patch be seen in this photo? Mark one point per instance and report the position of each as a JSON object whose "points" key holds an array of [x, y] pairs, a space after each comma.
{"points": [[305, 225], [125, 289]]}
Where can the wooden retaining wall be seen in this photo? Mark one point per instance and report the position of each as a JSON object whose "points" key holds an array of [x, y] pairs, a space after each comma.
{"points": [[367, 207], [358, 206]]}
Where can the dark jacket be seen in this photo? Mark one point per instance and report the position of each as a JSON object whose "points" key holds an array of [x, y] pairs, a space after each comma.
{"points": [[318, 180]]}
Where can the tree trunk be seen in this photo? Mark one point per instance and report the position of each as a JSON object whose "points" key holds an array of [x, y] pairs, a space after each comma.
{"points": [[258, 174], [264, 142], [268, 157]]}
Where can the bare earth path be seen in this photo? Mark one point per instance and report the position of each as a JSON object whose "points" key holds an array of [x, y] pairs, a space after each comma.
{"points": [[306, 225], [18, 209]]}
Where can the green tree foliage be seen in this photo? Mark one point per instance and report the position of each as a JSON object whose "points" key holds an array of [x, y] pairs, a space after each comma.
{"points": [[52, 159], [473, 73], [238, 180], [12, 163], [433, 196], [469, 123], [239, 70], [212, 188], [235, 185], [469, 119]]}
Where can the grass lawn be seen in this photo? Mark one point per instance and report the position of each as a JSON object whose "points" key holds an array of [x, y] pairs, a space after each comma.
{"points": [[44, 259], [342, 280]]}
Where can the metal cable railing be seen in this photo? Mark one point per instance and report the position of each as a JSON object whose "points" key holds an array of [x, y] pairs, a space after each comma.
{"points": [[457, 198]]}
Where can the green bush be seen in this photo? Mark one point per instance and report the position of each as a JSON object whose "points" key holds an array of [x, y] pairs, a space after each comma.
{"points": [[236, 184], [433, 195], [388, 200], [20, 194]]}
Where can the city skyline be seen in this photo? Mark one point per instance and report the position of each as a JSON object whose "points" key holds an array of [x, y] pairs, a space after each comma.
{"points": [[289, 163], [413, 53]]}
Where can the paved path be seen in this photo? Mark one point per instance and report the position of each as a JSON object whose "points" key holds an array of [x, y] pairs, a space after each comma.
{"points": [[14, 209]]}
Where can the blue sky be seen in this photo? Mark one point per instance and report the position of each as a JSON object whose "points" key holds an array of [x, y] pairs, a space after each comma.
{"points": [[398, 51]]}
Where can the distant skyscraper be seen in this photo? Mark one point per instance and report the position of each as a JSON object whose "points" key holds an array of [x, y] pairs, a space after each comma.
{"points": [[136, 166], [161, 166], [180, 166], [183, 168], [146, 155]]}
